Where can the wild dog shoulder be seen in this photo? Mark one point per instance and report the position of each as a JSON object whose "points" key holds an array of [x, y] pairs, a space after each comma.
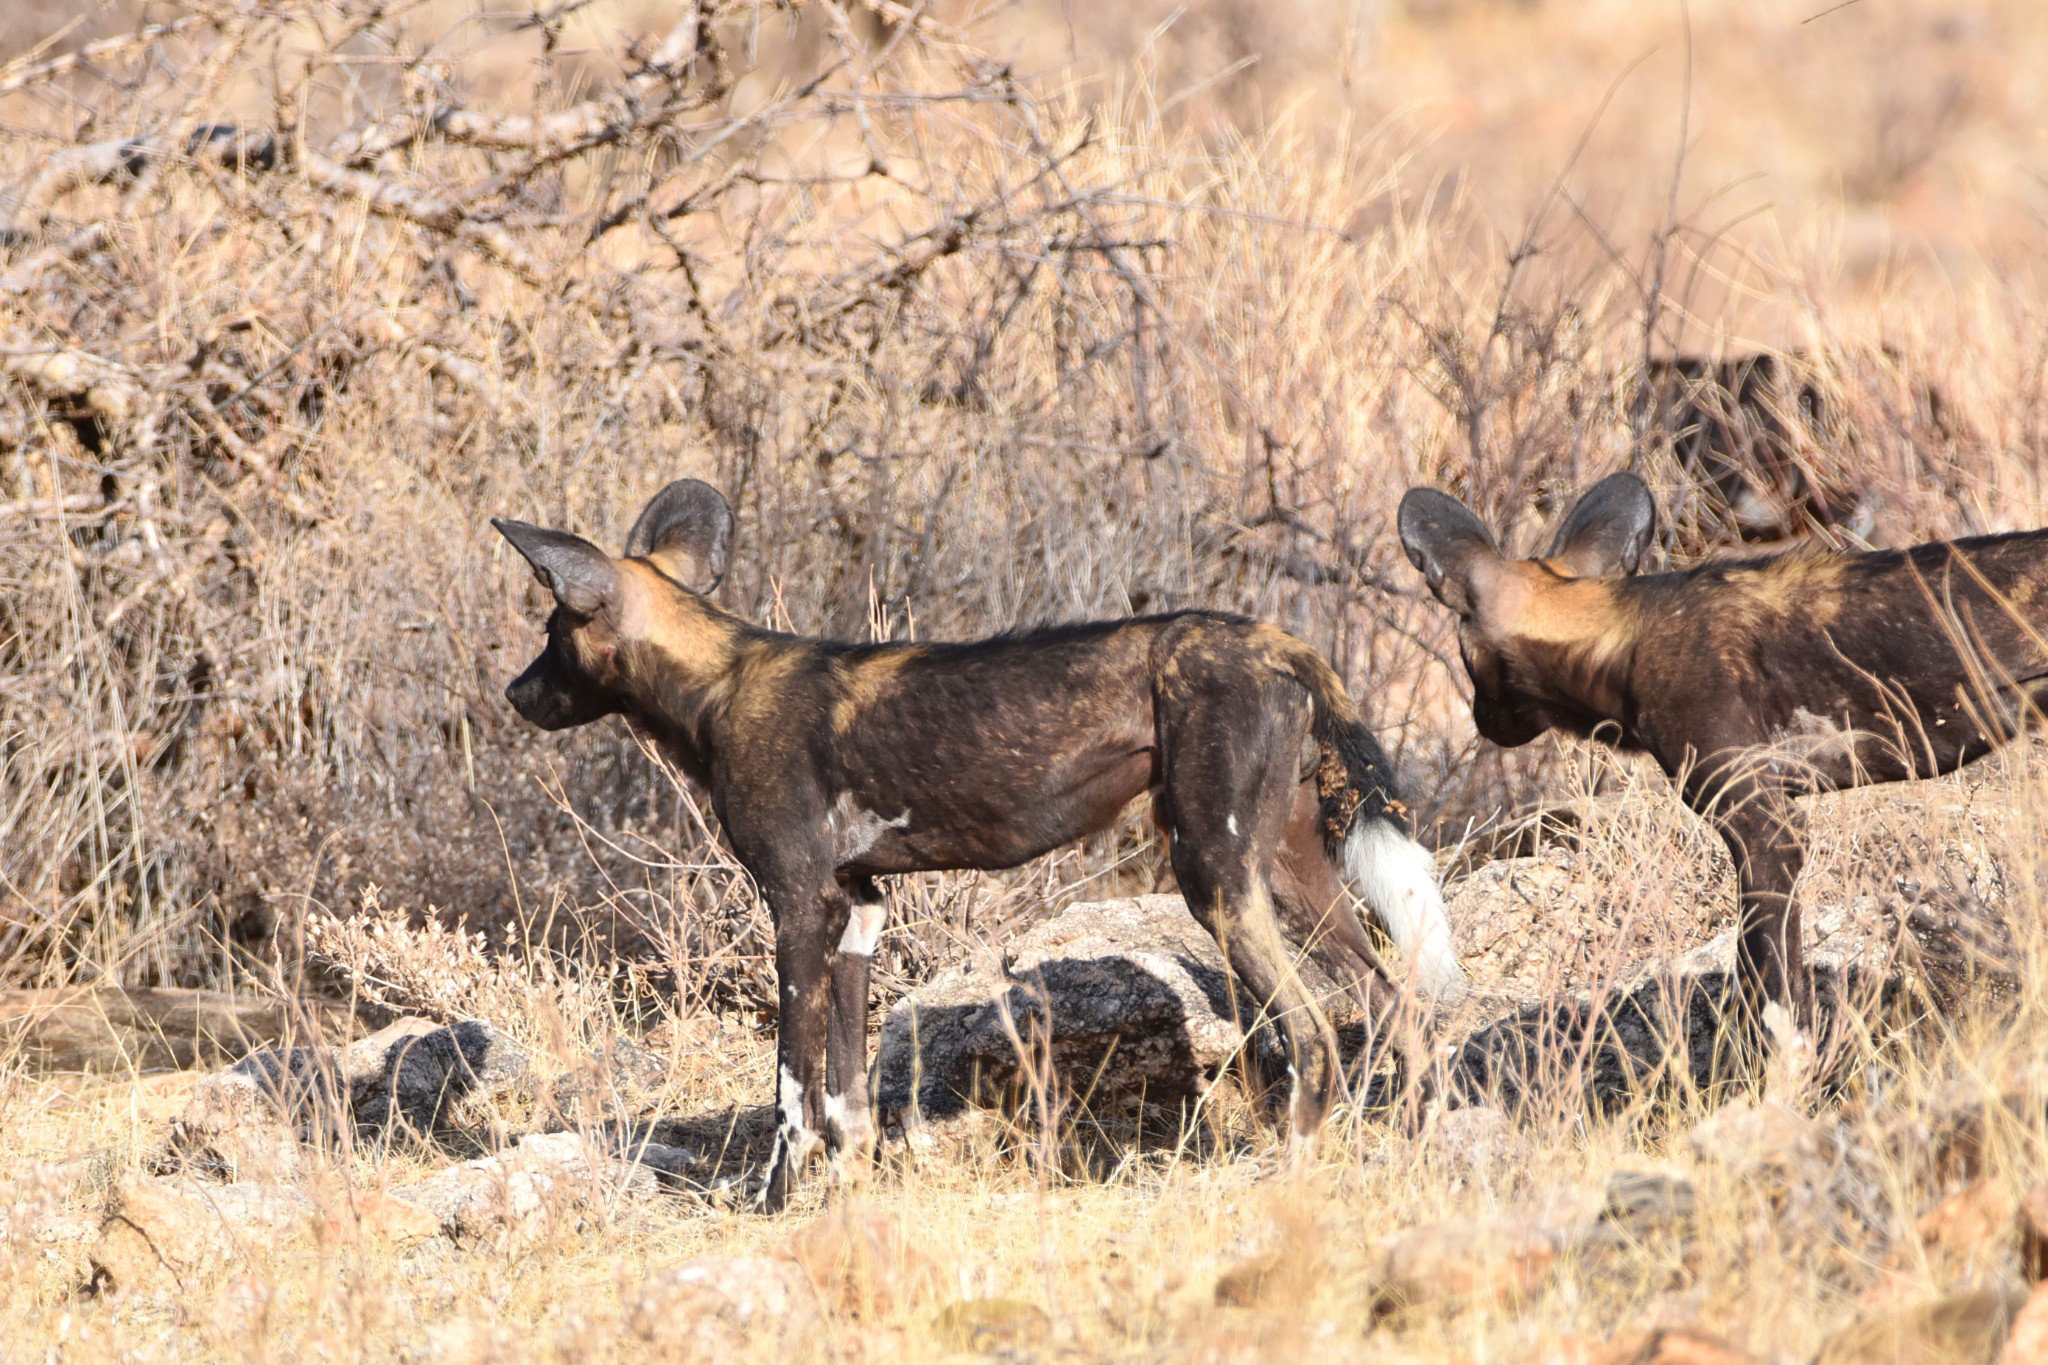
{"points": [[860, 681]]}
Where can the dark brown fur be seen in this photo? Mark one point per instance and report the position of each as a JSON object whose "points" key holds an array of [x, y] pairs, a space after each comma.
{"points": [[830, 764], [1751, 682]]}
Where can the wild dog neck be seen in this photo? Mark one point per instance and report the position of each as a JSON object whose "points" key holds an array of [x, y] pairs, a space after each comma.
{"points": [[678, 656], [1559, 652]]}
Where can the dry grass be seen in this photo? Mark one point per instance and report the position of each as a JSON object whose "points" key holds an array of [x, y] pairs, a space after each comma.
{"points": [[1019, 320]]}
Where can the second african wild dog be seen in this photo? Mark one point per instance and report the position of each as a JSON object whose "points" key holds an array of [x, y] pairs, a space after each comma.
{"points": [[1750, 682], [830, 764]]}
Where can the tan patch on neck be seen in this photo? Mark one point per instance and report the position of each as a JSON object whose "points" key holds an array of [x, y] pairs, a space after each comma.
{"points": [[693, 637], [1528, 602]]}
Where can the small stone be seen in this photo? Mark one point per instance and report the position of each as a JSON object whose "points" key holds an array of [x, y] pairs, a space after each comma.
{"points": [[403, 1078], [1751, 1137], [1684, 1346], [715, 1305], [1473, 1262], [474, 1341], [862, 1265], [1647, 1204], [1969, 1230], [164, 1235], [247, 1121], [1479, 1139], [991, 1326], [511, 1199], [380, 1219], [1252, 1281], [2028, 1344], [1966, 1327]]}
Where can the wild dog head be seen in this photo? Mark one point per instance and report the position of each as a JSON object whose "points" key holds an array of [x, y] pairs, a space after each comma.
{"points": [[1534, 633], [602, 605]]}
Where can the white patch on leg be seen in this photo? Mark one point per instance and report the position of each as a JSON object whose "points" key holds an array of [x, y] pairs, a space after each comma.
{"points": [[1792, 1061], [856, 1134], [799, 1143], [1397, 878], [863, 931], [1231, 823]]}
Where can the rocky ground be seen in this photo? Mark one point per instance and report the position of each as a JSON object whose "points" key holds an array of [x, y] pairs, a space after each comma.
{"points": [[1079, 1161]]}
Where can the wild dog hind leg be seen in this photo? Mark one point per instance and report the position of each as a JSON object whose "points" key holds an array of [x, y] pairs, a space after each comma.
{"points": [[1229, 784], [849, 1124], [1318, 915]]}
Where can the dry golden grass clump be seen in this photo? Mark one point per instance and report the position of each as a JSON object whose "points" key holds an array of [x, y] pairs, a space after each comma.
{"points": [[979, 319]]}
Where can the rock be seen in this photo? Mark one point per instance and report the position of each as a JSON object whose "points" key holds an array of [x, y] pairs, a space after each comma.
{"points": [[414, 1076], [378, 1219], [992, 1326], [475, 1341], [622, 1073], [1966, 1233], [1650, 1204], [862, 1265], [716, 1305], [248, 1121], [1751, 1138], [1684, 1346], [513, 1198], [408, 1078], [43, 1216], [1461, 1262], [1283, 1277], [1955, 1139], [1960, 1329], [1477, 1139], [108, 1029], [1560, 920], [675, 1167], [1132, 996], [177, 1234], [2028, 1344]]}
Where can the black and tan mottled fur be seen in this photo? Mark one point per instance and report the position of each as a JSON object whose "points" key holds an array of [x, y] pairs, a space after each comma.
{"points": [[1750, 682], [830, 764]]}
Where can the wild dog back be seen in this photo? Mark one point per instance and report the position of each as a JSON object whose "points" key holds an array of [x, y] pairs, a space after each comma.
{"points": [[1890, 664]]}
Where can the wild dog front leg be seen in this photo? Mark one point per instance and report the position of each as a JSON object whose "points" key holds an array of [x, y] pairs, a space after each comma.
{"points": [[849, 1125], [1765, 837], [803, 944]]}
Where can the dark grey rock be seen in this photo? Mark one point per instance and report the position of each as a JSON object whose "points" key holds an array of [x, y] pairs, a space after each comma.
{"points": [[414, 1083], [1115, 999], [412, 1077]]}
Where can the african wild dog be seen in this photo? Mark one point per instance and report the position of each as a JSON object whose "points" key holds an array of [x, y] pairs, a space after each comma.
{"points": [[1746, 428], [1750, 682], [831, 764]]}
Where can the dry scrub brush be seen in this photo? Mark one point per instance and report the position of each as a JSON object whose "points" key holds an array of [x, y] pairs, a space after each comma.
{"points": [[1165, 1252], [293, 296]]}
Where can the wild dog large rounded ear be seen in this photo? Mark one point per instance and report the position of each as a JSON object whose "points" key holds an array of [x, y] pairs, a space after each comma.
{"points": [[1608, 530], [686, 529], [581, 576], [1446, 542]]}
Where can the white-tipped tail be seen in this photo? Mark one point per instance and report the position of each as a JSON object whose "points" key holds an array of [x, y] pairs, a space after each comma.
{"points": [[1397, 878]]}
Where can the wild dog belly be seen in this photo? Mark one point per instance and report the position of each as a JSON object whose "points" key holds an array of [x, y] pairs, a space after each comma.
{"points": [[970, 762]]}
